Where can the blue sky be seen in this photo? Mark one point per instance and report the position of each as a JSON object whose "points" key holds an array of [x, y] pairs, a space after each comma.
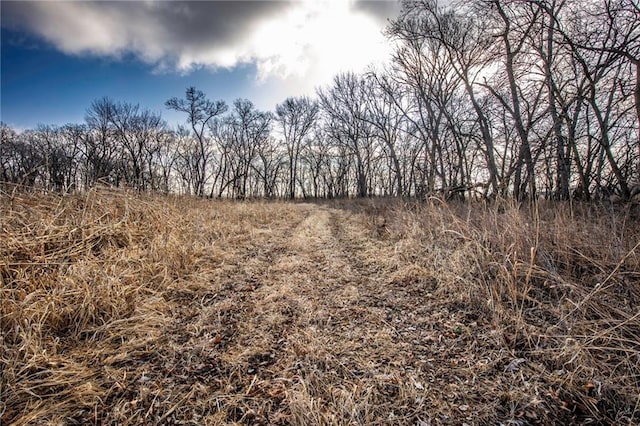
{"points": [[57, 57], [41, 85]]}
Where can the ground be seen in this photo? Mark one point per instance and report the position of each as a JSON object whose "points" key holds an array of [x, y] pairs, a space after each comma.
{"points": [[273, 313]]}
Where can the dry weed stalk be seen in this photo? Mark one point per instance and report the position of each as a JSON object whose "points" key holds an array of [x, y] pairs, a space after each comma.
{"points": [[121, 308], [560, 285]]}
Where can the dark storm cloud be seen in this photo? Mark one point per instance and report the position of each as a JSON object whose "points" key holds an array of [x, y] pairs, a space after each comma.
{"points": [[219, 21], [381, 10], [187, 21], [182, 35], [154, 30]]}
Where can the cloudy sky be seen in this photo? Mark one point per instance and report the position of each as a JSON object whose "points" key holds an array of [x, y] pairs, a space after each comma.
{"points": [[58, 56]]}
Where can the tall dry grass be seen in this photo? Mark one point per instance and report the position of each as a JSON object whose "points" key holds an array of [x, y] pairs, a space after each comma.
{"points": [[121, 308], [89, 285], [559, 284]]}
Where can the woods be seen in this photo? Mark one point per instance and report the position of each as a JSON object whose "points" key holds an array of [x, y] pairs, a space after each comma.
{"points": [[463, 248], [526, 99]]}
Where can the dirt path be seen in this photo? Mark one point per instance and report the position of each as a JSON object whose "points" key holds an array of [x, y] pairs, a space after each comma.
{"points": [[311, 316], [321, 324], [336, 339]]}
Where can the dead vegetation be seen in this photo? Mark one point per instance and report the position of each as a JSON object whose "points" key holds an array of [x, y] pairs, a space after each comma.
{"points": [[123, 309]]}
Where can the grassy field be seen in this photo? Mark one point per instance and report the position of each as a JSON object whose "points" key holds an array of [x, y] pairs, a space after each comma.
{"points": [[122, 309]]}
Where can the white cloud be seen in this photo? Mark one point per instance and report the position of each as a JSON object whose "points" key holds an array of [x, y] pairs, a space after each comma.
{"points": [[305, 48], [303, 43], [316, 39]]}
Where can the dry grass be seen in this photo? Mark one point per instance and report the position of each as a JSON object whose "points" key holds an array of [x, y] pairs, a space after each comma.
{"points": [[123, 309]]}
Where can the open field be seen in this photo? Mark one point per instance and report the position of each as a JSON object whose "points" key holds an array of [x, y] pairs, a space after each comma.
{"points": [[118, 309]]}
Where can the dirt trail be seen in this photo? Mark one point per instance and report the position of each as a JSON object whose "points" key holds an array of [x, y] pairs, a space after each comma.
{"points": [[319, 324], [311, 306], [288, 313]]}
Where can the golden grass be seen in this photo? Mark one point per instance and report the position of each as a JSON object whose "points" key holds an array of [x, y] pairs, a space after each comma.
{"points": [[118, 308]]}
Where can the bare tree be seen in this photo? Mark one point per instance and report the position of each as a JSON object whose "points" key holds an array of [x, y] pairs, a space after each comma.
{"points": [[162, 161], [344, 106], [296, 116], [249, 130], [384, 101], [200, 111], [454, 35], [604, 41], [99, 146], [59, 149], [136, 132], [512, 96], [7, 139], [270, 162], [513, 28], [317, 159]]}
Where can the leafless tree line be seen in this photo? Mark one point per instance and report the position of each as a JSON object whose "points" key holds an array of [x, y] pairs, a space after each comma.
{"points": [[522, 98]]}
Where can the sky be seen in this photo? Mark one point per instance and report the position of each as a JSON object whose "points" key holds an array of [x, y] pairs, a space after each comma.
{"points": [[59, 56]]}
